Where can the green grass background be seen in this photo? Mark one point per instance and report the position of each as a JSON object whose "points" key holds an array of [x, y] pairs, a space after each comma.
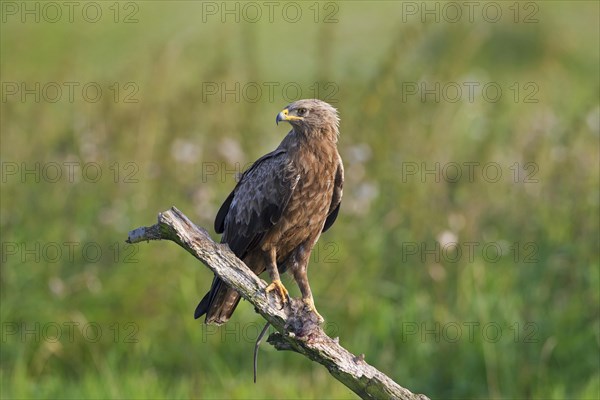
{"points": [[402, 311]]}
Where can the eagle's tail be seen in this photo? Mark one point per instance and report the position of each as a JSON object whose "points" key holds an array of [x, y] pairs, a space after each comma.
{"points": [[218, 304]]}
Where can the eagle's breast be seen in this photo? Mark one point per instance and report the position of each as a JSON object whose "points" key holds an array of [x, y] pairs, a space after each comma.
{"points": [[302, 221]]}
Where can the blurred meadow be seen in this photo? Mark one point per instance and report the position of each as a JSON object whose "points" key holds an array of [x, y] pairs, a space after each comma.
{"points": [[464, 262]]}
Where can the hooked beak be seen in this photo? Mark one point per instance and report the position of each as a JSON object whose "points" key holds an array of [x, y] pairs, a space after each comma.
{"points": [[284, 116]]}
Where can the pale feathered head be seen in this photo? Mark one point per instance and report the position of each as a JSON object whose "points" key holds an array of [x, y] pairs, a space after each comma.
{"points": [[311, 117]]}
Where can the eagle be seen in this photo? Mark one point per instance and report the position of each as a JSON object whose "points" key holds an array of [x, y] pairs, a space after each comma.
{"points": [[279, 207]]}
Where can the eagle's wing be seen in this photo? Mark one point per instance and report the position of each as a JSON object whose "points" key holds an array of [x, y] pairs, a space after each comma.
{"points": [[336, 200], [257, 202], [254, 206]]}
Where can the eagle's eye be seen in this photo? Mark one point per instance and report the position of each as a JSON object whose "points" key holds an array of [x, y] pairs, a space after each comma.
{"points": [[301, 111]]}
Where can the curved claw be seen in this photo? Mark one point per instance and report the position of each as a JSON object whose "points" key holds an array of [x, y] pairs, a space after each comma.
{"points": [[279, 289], [310, 304]]}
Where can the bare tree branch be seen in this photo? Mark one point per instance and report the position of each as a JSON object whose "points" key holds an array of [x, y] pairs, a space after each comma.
{"points": [[297, 329]]}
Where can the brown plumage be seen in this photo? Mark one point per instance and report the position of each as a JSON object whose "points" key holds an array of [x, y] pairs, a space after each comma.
{"points": [[282, 203]]}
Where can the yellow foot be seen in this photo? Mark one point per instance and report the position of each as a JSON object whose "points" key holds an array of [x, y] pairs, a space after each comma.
{"points": [[310, 304], [281, 291]]}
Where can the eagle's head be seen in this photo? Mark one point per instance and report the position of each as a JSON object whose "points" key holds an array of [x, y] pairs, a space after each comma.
{"points": [[311, 117]]}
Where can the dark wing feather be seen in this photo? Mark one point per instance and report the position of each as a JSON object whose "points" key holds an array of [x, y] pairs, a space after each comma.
{"points": [[336, 199], [220, 218], [257, 202], [254, 206], [224, 210]]}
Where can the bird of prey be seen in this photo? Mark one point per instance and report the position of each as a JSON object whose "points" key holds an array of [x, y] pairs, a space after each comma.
{"points": [[282, 203]]}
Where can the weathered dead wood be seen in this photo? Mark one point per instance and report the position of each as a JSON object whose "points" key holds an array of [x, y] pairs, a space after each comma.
{"points": [[297, 329]]}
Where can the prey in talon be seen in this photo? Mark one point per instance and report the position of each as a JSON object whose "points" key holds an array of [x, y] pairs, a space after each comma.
{"points": [[280, 206]]}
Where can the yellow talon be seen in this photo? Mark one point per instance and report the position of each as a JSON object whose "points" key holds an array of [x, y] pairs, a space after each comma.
{"points": [[310, 304], [279, 289]]}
